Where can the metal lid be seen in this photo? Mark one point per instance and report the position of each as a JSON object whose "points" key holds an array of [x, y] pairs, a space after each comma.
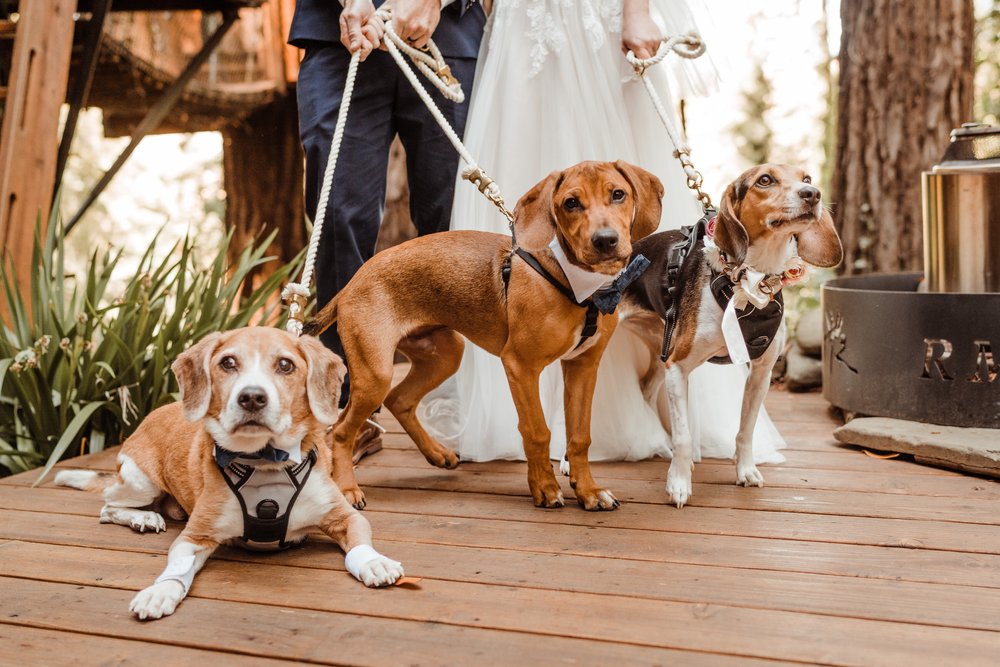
{"points": [[975, 143]]}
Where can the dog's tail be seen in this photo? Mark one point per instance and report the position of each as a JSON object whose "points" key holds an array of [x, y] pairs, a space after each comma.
{"points": [[323, 319], [86, 480]]}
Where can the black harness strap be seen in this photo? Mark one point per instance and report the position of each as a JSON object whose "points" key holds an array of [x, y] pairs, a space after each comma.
{"points": [[758, 325], [590, 319], [268, 527], [676, 256]]}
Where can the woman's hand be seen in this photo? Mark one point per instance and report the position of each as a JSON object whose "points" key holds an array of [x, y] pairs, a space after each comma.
{"points": [[640, 34], [360, 30]]}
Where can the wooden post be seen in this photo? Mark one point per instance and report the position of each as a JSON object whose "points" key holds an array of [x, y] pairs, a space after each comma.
{"points": [[29, 139]]}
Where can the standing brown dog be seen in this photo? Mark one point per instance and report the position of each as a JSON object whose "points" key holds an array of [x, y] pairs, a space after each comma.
{"points": [[422, 296]]}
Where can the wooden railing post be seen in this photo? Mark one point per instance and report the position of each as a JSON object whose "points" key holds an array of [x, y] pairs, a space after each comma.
{"points": [[29, 139]]}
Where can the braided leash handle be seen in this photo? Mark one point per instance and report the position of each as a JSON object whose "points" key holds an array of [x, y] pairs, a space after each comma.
{"points": [[688, 45], [434, 67]]}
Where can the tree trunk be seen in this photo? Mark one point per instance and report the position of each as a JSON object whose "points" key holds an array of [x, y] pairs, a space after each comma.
{"points": [[263, 175], [396, 223], [906, 80]]}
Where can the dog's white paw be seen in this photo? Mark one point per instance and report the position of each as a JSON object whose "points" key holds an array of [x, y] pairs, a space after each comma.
{"points": [[157, 601], [143, 522], [679, 486], [748, 475], [380, 571], [564, 467]]}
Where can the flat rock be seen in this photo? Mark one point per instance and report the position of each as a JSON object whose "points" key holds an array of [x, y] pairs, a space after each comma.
{"points": [[802, 373], [809, 332], [975, 450]]}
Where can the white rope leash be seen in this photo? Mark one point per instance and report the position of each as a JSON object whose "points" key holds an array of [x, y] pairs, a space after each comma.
{"points": [[473, 173], [434, 67], [297, 294], [690, 46]]}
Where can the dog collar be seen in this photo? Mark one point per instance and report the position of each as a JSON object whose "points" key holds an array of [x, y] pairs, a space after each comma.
{"points": [[581, 281], [270, 453]]}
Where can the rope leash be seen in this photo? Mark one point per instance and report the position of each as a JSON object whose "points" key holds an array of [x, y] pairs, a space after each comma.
{"points": [[432, 64], [688, 46]]}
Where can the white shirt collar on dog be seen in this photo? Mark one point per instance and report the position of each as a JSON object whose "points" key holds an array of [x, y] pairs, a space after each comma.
{"points": [[582, 282]]}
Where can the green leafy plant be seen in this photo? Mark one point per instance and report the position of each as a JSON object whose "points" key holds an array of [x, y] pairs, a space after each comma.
{"points": [[81, 367]]}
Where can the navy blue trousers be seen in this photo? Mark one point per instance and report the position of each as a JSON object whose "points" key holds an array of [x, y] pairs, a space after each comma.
{"points": [[384, 104]]}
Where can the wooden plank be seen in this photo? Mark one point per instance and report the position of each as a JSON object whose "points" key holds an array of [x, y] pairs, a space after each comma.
{"points": [[28, 140], [930, 604], [812, 501], [822, 497], [652, 623], [915, 534], [36, 646], [751, 553], [712, 472], [306, 635]]}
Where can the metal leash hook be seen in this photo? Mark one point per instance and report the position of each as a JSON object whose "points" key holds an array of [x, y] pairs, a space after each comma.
{"points": [[688, 45]]}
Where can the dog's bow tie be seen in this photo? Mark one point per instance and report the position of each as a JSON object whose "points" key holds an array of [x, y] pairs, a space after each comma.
{"points": [[606, 299], [223, 457]]}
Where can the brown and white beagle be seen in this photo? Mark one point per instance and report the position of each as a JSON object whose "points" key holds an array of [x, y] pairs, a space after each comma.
{"points": [[574, 233], [718, 287], [242, 456]]}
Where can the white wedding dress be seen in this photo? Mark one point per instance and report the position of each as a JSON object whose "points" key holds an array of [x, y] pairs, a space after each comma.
{"points": [[553, 89]]}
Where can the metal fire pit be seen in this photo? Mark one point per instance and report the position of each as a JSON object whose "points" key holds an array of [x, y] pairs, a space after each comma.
{"points": [[927, 356], [891, 351]]}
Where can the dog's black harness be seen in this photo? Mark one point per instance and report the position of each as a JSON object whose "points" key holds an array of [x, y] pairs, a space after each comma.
{"points": [[758, 325], [271, 492], [603, 301]]}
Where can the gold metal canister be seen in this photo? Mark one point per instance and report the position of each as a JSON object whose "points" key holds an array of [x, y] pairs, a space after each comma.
{"points": [[961, 206]]}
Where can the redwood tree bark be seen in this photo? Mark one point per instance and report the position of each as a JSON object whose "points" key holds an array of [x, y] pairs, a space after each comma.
{"points": [[906, 80], [263, 169]]}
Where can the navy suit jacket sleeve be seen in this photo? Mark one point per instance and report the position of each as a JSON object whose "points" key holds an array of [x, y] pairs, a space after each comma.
{"points": [[457, 35]]}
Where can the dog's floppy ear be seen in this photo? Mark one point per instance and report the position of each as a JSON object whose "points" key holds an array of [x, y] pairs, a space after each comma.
{"points": [[648, 192], [819, 245], [730, 234], [324, 378], [535, 215], [194, 377]]}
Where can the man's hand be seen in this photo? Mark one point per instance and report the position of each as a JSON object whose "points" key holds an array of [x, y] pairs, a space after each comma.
{"points": [[640, 34], [360, 29], [415, 20]]}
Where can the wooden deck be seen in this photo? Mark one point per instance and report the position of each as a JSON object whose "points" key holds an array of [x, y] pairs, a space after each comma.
{"points": [[842, 559]]}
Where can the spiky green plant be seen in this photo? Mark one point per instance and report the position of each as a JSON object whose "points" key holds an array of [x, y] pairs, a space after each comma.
{"points": [[81, 368]]}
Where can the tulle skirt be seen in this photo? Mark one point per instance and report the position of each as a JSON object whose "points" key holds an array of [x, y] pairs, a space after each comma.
{"points": [[553, 89]]}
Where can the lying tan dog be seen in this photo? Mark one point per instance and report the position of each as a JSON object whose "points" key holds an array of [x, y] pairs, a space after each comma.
{"points": [[424, 295], [713, 294], [239, 455]]}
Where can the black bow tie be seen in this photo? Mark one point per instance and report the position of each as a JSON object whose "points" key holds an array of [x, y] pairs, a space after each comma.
{"points": [[223, 457], [606, 299]]}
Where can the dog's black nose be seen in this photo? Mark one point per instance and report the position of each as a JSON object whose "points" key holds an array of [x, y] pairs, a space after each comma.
{"points": [[605, 240], [809, 194], [252, 399]]}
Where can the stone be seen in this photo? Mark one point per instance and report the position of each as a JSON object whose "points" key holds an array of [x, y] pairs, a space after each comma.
{"points": [[802, 373], [809, 333], [975, 450]]}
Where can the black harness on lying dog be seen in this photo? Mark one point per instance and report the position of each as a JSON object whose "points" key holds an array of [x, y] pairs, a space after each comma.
{"points": [[758, 325], [271, 492], [604, 301]]}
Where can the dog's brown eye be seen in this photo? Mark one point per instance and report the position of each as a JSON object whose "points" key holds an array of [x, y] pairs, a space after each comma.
{"points": [[285, 366], [807, 179], [228, 363], [618, 195], [765, 180], [571, 204]]}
